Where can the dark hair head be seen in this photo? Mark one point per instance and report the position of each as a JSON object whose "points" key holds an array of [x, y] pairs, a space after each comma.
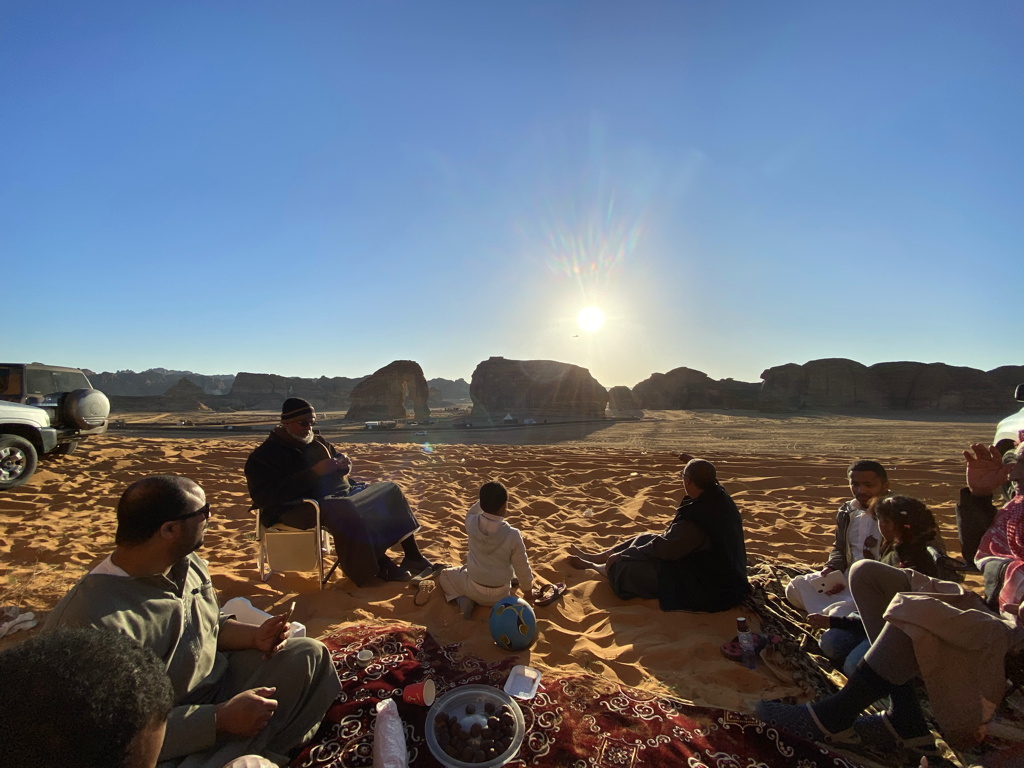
{"points": [[149, 503], [493, 496], [867, 465], [78, 698], [701, 473], [913, 519]]}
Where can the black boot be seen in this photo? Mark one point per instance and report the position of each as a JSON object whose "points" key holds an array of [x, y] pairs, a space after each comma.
{"points": [[390, 571], [414, 561], [839, 711]]}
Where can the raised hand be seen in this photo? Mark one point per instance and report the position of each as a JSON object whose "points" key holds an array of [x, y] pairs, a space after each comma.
{"points": [[985, 469]]}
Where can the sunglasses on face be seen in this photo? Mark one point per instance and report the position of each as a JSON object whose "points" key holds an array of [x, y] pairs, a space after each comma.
{"points": [[305, 423], [203, 510]]}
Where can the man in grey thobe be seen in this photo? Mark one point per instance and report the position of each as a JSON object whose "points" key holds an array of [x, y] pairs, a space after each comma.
{"points": [[239, 688]]}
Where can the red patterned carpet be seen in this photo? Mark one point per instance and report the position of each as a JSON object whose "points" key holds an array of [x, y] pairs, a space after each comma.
{"points": [[578, 721]]}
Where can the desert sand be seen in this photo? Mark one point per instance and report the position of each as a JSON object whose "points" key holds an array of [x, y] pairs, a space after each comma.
{"points": [[787, 474]]}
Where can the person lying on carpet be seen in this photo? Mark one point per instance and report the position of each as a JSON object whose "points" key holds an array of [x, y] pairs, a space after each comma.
{"points": [[907, 527], [294, 463], [239, 689], [495, 553], [932, 628], [698, 564]]}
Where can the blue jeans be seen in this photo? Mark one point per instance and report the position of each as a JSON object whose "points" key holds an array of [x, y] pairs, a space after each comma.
{"points": [[845, 648]]}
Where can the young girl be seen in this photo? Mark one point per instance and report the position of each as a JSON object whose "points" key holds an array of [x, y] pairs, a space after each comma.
{"points": [[908, 528]]}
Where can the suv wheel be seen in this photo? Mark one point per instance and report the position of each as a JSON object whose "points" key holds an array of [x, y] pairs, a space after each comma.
{"points": [[18, 461], [63, 449]]}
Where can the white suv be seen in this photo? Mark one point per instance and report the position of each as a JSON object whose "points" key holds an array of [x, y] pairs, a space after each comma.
{"points": [[44, 409], [1012, 427]]}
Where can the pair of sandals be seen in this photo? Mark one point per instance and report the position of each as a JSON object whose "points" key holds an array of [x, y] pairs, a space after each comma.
{"points": [[546, 594], [733, 651]]}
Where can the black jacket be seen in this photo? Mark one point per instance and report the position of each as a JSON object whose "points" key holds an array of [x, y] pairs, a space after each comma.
{"points": [[713, 575], [279, 471]]}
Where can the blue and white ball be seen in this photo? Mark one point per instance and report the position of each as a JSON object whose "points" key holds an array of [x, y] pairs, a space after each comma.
{"points": [[513, 624]]}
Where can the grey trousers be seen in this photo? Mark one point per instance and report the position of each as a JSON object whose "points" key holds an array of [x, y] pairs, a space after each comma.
{"points": [[307, 685], [873, 586]]}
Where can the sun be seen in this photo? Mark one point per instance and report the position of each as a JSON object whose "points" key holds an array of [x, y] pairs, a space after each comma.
{"points": [[590, 319]]}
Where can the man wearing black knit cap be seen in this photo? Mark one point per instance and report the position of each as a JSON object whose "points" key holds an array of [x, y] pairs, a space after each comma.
{"points": [[294, 462]]}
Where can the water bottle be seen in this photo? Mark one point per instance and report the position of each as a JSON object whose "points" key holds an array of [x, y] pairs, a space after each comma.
{"points": [[747, 642]]}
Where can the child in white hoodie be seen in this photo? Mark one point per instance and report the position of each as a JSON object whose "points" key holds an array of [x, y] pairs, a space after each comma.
{"points": [[496, 551]]}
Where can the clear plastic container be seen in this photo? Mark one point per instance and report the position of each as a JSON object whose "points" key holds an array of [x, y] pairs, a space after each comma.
{"points": [[453, 704]]}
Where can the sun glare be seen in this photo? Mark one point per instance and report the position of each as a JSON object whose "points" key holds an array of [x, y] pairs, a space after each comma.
{"points": [[590, 319]]}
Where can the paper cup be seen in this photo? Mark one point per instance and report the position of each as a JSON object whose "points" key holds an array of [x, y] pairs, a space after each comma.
{"points": [[420, 693]]}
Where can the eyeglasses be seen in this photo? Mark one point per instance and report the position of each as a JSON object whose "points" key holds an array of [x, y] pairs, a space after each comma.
{"points": [[306, 423], [203, 510]]}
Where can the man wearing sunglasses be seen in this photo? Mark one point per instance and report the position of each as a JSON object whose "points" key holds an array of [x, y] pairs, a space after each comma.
{"points": [[294, 462], [239, 688]]}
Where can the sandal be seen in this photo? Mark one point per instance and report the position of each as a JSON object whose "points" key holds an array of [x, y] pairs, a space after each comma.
{"points": [[424, 589], [548, 593], [799, 720], [878, 731], [17, 621], [732, 650]]}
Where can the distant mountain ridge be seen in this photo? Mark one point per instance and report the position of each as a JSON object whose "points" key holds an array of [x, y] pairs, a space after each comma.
{"points": [[159, 381], [156, 381], [827, 384]]}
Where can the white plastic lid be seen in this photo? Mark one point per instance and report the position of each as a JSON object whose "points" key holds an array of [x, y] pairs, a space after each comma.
{"points": [[523, 682]]}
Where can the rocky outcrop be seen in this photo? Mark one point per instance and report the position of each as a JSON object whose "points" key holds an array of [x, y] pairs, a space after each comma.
{"points": [[184, 389], [937, 386], [266, 391], [1007, 377], [534, 389], [679, 389], [824, 384], [184, 396], [455, 391], [683, 388], [838, 383], [386, 394], [622, 403], [740, 394]]}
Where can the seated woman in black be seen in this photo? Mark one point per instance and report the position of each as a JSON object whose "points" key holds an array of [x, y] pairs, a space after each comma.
{"points": [[698, 564]]}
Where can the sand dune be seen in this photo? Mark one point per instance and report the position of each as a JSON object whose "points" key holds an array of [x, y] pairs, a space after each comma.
{"points": [[786, 474]]}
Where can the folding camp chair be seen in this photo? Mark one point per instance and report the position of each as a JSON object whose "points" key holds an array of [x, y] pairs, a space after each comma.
{"points": [[283, 548]]}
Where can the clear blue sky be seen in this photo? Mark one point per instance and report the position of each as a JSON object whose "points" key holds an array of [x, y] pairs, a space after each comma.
{"points": [[320, 188]]}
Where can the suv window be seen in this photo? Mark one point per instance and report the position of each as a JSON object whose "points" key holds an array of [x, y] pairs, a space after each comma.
{"points": [[48, 382], [10, 382]]}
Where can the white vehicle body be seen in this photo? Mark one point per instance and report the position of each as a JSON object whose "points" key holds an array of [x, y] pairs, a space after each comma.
{"points": [[1012, 427]]}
